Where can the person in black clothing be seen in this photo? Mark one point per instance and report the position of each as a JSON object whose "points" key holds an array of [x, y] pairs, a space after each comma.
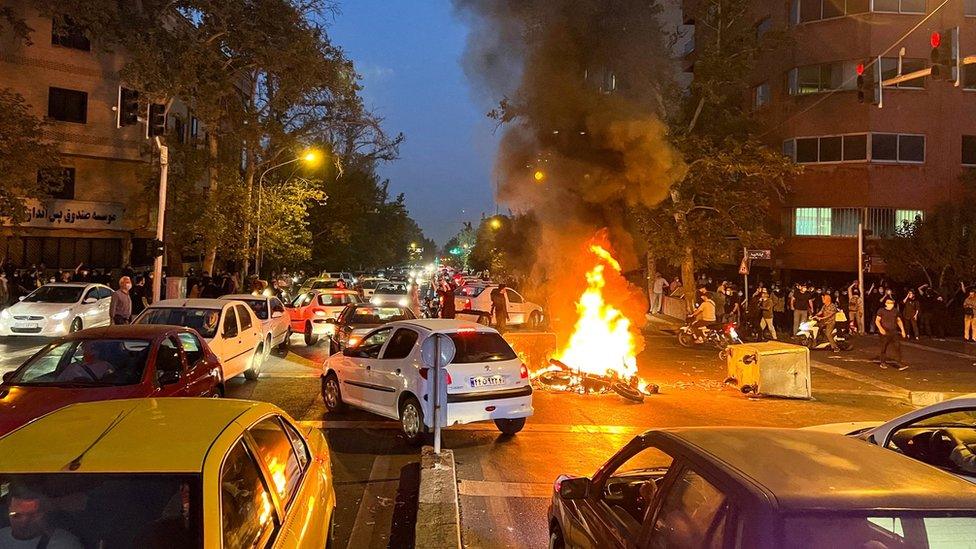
{"points": [[446, 295], [909, 313], [889, 324], [140, 296]]}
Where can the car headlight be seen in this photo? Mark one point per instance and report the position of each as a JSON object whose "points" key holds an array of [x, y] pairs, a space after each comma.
{"points": [[375, 301], [60, 316], [5, 314], [404, 302], [319, 313]]}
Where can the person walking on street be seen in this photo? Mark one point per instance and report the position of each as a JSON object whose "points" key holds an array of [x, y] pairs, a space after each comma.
{"points": [[120, 308], [855, 306], [889, 325], [658, 284], [446, 295], [827, 319], [766, 322], [969, 313], [499, 308], [800, 303], [909, 314]]}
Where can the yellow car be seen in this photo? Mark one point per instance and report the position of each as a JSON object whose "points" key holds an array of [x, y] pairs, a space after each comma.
{"points": [[168, 473]]}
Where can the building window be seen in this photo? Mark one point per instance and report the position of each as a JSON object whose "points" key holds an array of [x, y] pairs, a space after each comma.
{"points": [[969, 76], [890, 147], [841, 75], [889, 69], [67, 105], [969, 8], [906, 217], [58, 183], [179, 128], [898, 6], [827, 149], [194, 127], [766, 24], [66, 34], [760, 95], [969, 150], [826, 221], [805, 11], [886, 222]]}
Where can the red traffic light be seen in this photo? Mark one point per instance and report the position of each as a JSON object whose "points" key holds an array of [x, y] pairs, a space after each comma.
{"points": [[935, 40], [860, 69]]}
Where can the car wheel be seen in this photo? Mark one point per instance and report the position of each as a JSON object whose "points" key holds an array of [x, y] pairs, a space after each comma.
{"points": [[257, 361], [510, 426], [218, 392], [331, 394], [556, 540], [284, 344], [310, 338], [535, 321], [412, 421], [75, 326], [267, 347], [330, 540]]}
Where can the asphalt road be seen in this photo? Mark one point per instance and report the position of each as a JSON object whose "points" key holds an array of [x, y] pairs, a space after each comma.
{"points": [[505, 482]]}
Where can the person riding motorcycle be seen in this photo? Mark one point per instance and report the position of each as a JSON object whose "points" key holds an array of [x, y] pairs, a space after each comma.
{"points": [[826, 320], [703, 315]]}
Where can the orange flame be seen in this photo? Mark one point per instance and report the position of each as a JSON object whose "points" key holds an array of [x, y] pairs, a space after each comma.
{"points": [[602, 341]]}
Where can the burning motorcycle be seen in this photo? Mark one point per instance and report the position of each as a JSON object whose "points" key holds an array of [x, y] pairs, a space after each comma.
{"points": [[719, 334], [812, 336]]}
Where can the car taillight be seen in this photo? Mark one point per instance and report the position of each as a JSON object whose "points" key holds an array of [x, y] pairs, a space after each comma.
{"points": [[424, 372], [467, 303], [523, 372]]}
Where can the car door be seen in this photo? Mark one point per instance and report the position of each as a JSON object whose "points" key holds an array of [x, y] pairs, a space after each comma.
{"points": [[516, 307], [279, 324], [104, 305], [89, 312], [691, 512], [200, 377], [358, 378], [388, 372], [232, 352], [251, 334], [170, 369]]}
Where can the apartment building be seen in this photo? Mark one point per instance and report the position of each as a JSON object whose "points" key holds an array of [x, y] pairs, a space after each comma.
{"points": [[862, 164]]}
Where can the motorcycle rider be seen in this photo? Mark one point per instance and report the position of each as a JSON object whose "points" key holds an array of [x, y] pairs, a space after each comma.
{"points": [[826, 319], [703, 315]]}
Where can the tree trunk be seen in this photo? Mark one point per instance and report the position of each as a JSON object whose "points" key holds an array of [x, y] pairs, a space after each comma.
{"points": [[249, 172], [688, 255], [213, 147]]}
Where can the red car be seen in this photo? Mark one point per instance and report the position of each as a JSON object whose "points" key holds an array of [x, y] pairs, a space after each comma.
{"points": [[134, 361], [313, 313]]}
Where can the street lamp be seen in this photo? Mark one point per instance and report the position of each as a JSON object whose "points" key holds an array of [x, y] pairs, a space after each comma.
{"points": [[539, 175], [495, 223], [310, 157]]}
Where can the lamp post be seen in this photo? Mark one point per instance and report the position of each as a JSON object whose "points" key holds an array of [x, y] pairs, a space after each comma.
{"points": [[310, 157]]}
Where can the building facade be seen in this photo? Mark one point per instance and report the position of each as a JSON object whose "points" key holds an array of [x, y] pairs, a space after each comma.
{"points": [[862, 164]]}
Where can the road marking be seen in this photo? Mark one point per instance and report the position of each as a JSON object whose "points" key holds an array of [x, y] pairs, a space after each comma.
{"points": [[375, 515], [289, 375], [490, 489], [940, 351], [529, 427], [867, 380]]}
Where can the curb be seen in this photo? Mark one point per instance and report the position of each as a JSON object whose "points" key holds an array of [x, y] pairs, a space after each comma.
{"points": [[921, 399], [438, 513]]}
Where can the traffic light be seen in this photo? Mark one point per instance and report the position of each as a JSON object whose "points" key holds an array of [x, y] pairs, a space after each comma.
{"points": [[128, 107], [945, 55], [869, 83], [156, 120], [156, 248]]}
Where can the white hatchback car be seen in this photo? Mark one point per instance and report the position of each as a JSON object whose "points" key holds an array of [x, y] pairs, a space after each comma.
{"points": [[231, 329], [57, 309], [274, 321], [474, 300], [384, 374]]}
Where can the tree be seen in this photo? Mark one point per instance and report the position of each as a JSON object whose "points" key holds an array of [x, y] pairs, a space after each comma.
{"points": [[505, 247], [458, 249], [24, 153], [733, 179]]}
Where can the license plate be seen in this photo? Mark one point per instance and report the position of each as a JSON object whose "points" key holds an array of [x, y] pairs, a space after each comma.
{"points": [[486, 381], [26, 325]]}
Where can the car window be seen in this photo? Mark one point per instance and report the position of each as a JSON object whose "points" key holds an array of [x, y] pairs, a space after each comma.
{"points": [[334, 300], [692, 514], [92, 293], [473, 347], [244, 317], [248, 517], [230, 323], [191, 348], [302, 300], [277, 306], [513, 296], [275, 448], [297, 442], [102, 292], [55, 294], [168, 358], [204, 321], [43, 365], [95, 362], [370, 347], [401, 344]]}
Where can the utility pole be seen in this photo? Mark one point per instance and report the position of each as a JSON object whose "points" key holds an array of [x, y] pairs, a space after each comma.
{"points": [[860, 260], [160, 218]]}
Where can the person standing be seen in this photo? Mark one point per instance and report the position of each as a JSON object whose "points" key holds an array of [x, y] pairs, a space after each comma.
{"points": [[855, 306], [499, 307], [969, 313], [657, 292], [766, 322], [120, 308], [800, 303], [909, 314], [719, 299], [446, 295], [889, 325], [140, 296]]}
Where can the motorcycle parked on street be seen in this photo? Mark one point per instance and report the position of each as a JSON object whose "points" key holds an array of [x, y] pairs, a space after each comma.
{"points": [[719, 334], [812, 336]]}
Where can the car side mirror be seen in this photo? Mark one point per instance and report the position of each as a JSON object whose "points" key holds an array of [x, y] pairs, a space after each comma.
{"points": [[169, 377], [89, 300], [574, 488], [277, 314], [7, 376], [350, 351]]}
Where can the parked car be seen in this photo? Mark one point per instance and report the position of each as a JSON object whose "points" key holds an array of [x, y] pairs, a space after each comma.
{"points": [[357, 320], [173, 473], [109, 363], [760, 488], [929, 434], [231, 329], [384, 374], [390, 294], [369, 285], [309, 311], [57, 309], [474, 300], [336, 275], [325, 284], [275, 322]]}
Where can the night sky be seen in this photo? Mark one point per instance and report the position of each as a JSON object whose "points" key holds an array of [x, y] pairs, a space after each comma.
{"points": [[408, 53]]}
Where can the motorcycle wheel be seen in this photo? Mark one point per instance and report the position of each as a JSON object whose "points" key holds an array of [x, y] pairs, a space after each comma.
{"points": [[628, 392], [685, 338], [805, 341], [721, 343], [845, 345]]}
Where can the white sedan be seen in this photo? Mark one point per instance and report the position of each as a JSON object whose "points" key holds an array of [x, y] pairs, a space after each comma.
{"points": [[57, 309], [385, 374], [473, 301], [231, 329], [929, 434], [391, 294], [271, 312]]}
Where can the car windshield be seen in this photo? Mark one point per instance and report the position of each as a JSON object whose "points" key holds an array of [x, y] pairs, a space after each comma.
{"points": [[106, 510], [259, 306], [480, 347], [391, 289], [204, 321], [371, 284], [958, 418], [931, 529], [334, 300], [469, 291], [324, 284], [86, 362], [55, 294], [374, 315]]}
